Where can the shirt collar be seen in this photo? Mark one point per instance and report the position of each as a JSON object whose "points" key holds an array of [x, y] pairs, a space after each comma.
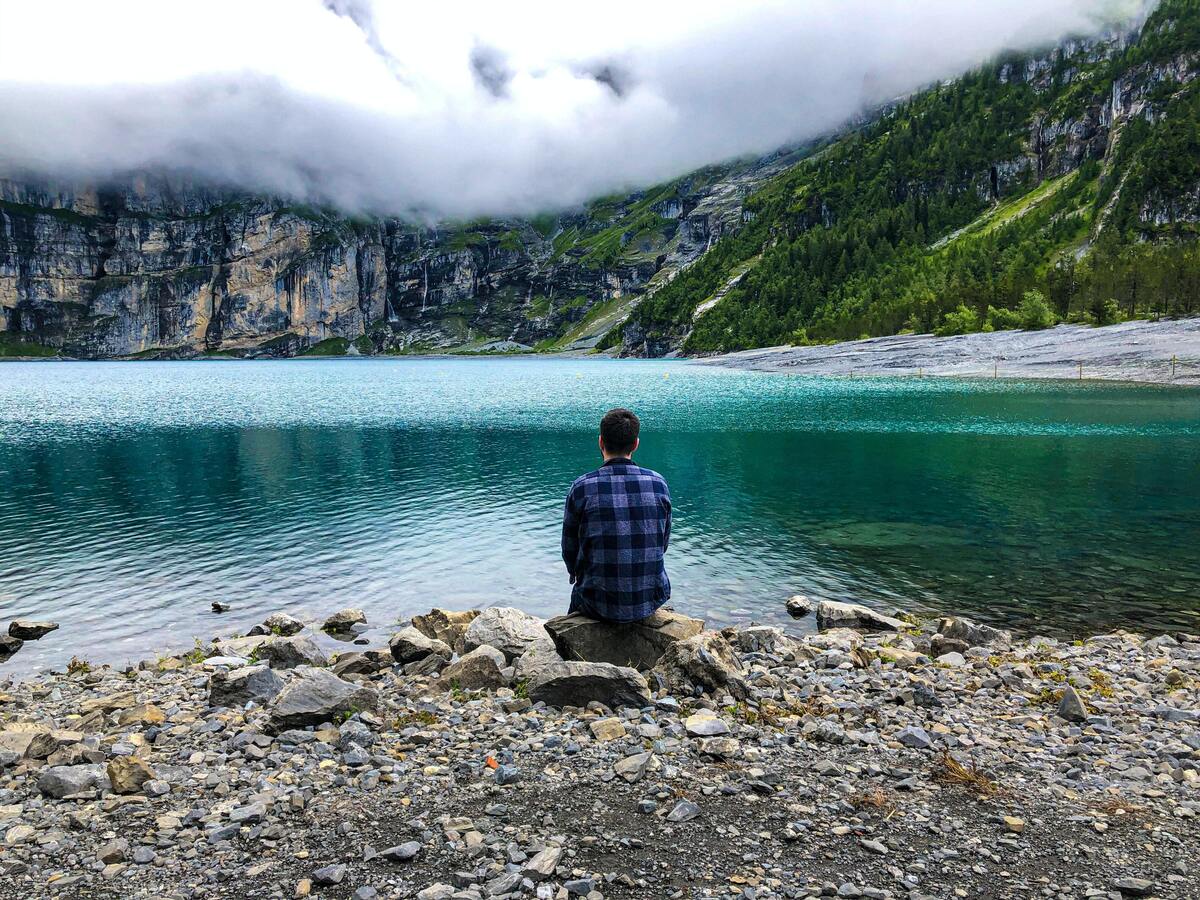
{"points": [[619, 461]]}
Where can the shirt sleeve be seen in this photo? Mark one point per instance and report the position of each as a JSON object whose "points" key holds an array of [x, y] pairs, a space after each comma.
{"points": [[572, 519], [666, 503]]}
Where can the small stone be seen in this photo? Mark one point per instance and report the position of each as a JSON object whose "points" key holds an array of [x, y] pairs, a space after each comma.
{"points": [[344, 620], [542, 865], [402, 852], [127, 774], [1013, 824], [799, 606], [705, 723], [1134, 887], [874, 846], [144, 856], [632, 768], [608, 729], [507, 775], [914, 736], [328, 875], [1071, 707], [683, 811]]}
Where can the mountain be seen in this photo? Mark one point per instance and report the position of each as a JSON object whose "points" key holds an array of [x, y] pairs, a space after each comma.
{"points": [[1056, 187], [160, 267], [1063, 185]]}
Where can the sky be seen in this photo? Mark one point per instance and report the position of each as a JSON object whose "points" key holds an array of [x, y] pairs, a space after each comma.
{"points": [[459, 109]]}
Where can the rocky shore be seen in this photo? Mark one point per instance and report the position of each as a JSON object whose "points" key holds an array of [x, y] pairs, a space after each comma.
{"points": [[488, 754]]}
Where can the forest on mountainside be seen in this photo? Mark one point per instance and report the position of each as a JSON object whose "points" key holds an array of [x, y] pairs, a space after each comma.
{"points": [[1033, 190]]}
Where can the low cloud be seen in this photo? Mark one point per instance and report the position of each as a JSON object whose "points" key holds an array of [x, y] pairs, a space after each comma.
{"points": [[466, 110]]}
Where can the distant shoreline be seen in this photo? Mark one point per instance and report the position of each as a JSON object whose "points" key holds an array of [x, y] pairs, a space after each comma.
{"points": [[1139, 351]]}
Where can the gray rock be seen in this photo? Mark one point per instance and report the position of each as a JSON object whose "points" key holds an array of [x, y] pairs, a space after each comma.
{"points": [[479, 670], [1071, 707], [289, 652], [540, 654], [580, 683], [29, 630], [236, 688], [411, 644], [428, 666], [707, 660], [329, 875], [281, 624], [916, 737], [638, 645], [509, 630], [361, 662], [144, 856], [831, 614], [344, 620], [798, 606], [315, 696], [402, 852], [9, 646], [1134, 887], [762, 639], [632, 768], [972, 633], [507, 775], [542, 864], [63, 781], [683, 811]]}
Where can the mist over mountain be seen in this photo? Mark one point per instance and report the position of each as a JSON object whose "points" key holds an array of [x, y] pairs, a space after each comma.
{"points": [[465, 109]]}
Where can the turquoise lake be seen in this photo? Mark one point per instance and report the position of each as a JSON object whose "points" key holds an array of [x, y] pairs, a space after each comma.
{"points": [[132, 495]]}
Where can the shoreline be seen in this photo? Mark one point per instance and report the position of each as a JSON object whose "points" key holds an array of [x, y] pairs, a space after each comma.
{"points": [[490, 754], [1136, 352]]}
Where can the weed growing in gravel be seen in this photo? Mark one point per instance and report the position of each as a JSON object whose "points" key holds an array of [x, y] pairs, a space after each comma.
{"points": [[948, 770]]}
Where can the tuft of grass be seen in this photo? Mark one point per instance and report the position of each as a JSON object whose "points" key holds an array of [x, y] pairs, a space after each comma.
{"points": [[415, 717], [873, 798], [948, 770], [78, 666]]}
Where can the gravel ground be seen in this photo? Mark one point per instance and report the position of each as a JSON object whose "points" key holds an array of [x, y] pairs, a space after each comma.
{"points": [[1132, 351], [940, 760]]}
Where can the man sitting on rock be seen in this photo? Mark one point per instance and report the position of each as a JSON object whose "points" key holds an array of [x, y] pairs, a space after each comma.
{"points": [[616, 526]]}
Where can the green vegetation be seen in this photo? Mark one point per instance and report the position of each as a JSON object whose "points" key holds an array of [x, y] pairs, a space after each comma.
{"points": [[334, 346], [15, 347], [934, 217]]}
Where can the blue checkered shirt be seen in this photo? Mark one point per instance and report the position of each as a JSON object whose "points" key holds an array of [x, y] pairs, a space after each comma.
{"points": [[616, 526]]}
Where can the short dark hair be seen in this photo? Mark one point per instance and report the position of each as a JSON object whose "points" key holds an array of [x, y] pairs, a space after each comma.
{"points": [[619, 431]]}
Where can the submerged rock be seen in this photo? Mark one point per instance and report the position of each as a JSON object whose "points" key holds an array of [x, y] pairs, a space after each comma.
{"points": [[573, 683], [639, 645], [831, 614], [344, 620], [315, 696], [799, 606], [29, 630], [509, 630], [280, 624]]}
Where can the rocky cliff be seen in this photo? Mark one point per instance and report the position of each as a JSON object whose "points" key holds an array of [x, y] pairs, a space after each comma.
{"points": [[159, 266]]}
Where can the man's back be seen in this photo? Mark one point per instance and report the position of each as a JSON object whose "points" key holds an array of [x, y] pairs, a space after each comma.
{"points": [[616, 526]]}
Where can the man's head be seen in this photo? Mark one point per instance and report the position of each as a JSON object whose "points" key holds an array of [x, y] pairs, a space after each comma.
{"points": [[619, 433]]}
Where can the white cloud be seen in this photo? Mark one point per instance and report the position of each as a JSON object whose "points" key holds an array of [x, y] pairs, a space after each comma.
{"points": [[464, 107]]}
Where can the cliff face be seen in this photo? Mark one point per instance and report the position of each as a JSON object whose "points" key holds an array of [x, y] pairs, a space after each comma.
{"points": [[160, 266]]}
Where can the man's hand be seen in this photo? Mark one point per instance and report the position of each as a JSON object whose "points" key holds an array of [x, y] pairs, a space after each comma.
{"points": [[570, 578]]}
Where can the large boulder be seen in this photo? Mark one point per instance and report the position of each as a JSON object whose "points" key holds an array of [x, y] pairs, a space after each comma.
{"points": [[29, 630], [705, 660], [315, 696], [954, 628], [573, 683], [127, 774], [639, 645], [478, 670], [445, 625], [362, 662], [411, 644], [831, 614], [237, 687], [289, 652], [540, 654], [64, 781], [507, 629]]}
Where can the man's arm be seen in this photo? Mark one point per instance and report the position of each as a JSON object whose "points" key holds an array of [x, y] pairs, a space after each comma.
{"points": [[570, 532], [666, 502]]}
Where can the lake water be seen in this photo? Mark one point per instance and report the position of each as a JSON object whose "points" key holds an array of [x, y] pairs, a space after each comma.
{"points": [[132, 495]]}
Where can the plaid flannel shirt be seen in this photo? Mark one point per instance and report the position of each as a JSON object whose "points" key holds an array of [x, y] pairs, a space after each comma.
{"points": [[616, 526]]}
